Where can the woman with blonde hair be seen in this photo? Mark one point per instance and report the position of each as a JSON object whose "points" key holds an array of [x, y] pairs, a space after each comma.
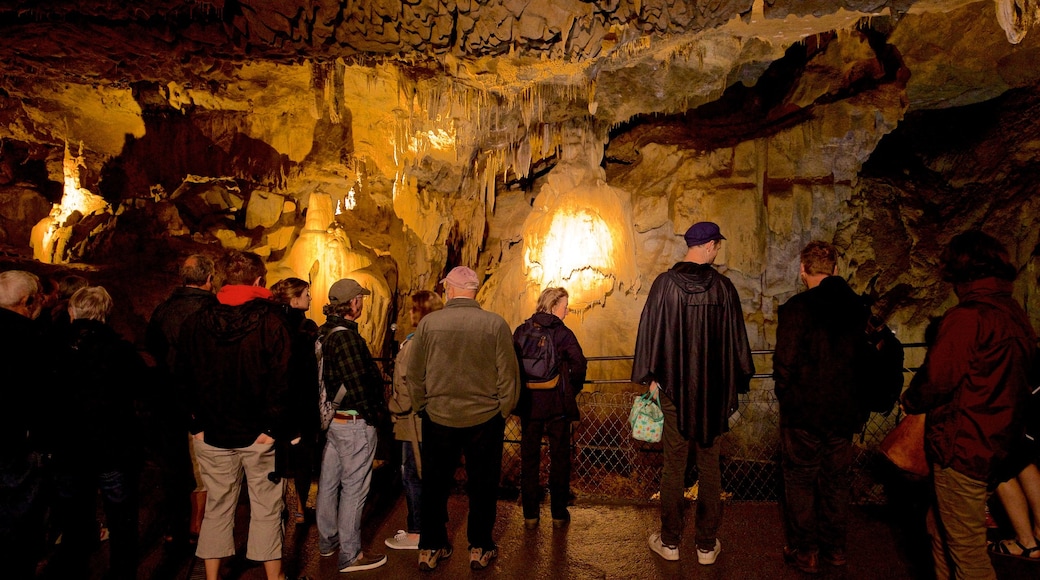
{"points": [[548, 406]]}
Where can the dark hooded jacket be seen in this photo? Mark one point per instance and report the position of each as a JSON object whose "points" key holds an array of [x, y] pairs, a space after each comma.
{"points": [[976, 380], [303, 370], [560, 401], [165, 399], [693, 342], [235, 362], [819, 354], [99, 378]]}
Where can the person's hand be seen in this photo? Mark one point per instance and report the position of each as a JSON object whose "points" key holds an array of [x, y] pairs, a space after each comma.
{"points": [[654, 386], [295, 441], [264, 439]]}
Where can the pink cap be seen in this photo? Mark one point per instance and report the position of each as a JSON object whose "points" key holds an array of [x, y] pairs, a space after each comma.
{"points": [[462, 277]]}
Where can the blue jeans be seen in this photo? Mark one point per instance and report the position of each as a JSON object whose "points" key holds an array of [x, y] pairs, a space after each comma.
{"points": [[412, 487], [676, 450], [346, 474]]}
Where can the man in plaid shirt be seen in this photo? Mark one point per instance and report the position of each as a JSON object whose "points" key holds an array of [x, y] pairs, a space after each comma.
{"points": [[355, 386]]}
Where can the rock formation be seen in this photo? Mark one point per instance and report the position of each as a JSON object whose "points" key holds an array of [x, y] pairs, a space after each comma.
{"points": [[537, 141]]}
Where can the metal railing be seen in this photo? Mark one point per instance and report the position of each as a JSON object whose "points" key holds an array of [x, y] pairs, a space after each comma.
{"points": [[608, 464]]}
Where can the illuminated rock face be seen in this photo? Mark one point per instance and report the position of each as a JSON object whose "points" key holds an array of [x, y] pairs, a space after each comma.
{"points": [[538, 142]]}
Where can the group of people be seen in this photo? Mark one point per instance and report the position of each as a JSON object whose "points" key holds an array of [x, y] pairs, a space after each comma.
{"points": [[247, 376], [976, 387]]}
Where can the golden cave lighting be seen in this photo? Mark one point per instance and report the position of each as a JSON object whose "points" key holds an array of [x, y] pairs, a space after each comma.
{"points": [[51, 235], [575, 253]]}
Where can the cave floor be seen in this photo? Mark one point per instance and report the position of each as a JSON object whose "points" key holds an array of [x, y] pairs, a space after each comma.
{"points": [[604, 540]]}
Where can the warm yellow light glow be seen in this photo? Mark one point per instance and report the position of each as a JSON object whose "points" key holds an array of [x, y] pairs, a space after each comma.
{"points": [[441, 139], [575, 254], [51, 235], [74, 197]]}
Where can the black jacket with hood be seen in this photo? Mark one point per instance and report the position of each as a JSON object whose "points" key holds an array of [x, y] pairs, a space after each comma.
{"points": [[235, 361], [693, 342], [560, 401]]}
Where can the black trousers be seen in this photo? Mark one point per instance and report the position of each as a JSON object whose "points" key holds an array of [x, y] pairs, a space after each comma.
{"points": [[816, 489], [481, 445], [557, 432]]}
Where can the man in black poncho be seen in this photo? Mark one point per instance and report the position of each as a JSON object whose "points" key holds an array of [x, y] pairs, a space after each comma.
{"points": [[692, 347]]}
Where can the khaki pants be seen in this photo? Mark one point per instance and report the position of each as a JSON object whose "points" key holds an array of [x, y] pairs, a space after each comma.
{"points": [[222, 471], [957, 524]]}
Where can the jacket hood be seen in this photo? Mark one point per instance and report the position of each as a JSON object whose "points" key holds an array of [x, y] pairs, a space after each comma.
{"points": [[84, 329], [545, 319], [693, 278], [232, 323]]}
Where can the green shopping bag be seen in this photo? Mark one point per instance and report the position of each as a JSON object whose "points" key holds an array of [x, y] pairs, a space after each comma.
{"points": [[646, 418]]}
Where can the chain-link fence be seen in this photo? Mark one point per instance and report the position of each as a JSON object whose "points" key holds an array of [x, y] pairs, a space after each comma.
{"points": [[609, 464]]}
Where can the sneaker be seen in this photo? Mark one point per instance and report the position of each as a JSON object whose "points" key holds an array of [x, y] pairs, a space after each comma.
{"points": [[479, 558], [328, 553], [708, 557], [661, 549], [561, 520], [807, 562], [363, 562], [835, 557], [402, 540], [428, 558]]}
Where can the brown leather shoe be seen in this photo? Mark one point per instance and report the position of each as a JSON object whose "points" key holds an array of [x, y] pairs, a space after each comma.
{"points": [[808, 562], [834, 557]]}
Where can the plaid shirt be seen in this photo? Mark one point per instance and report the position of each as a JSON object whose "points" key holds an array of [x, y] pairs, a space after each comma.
{"points": [[346, 361]]}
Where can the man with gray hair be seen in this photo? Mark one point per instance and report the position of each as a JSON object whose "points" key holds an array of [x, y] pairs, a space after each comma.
{"points": [[168, 401], [464, 379], [22, 355], [355, 386]]}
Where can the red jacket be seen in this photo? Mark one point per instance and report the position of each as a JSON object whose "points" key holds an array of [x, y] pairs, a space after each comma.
{"points": [[975, 380]]}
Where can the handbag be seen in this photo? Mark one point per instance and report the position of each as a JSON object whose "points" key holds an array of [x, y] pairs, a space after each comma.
{"points": [[904, 446], [646, 418]]}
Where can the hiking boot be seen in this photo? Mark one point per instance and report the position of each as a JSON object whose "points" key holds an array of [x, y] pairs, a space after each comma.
{"points": [[663, 550], [402, 540], [479, 558], [363, 562], [807, 562], [835, 557], [708, 557], [428, 558]]}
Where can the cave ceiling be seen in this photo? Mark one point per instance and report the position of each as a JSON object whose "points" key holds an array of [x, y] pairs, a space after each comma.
{"points": [[451, 116], [496, 69]]}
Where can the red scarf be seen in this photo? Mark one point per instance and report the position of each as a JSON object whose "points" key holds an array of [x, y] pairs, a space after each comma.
{"points": [[237, 295]]}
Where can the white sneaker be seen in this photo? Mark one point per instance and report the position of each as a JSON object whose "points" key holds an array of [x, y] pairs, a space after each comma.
{"points": [[402, 540], [707, 557], [667, 552]]}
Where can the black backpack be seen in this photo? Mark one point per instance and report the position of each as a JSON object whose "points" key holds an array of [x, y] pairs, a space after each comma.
{"points": [[538, 359], [881, 379]]}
